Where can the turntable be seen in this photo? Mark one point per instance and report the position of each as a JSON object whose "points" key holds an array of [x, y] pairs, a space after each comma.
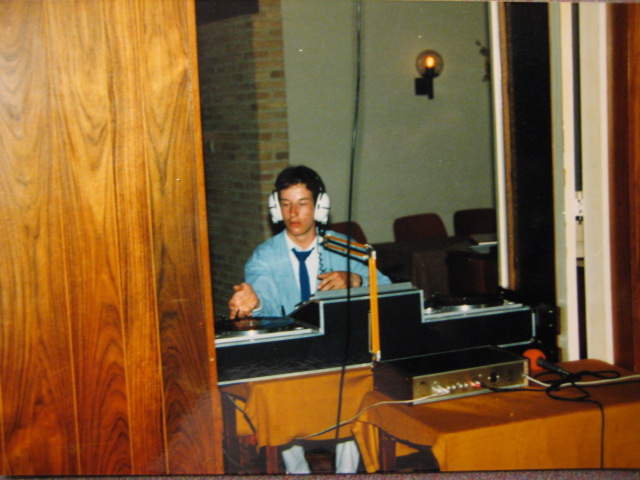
{"points": [[256, 329], [442, 307]]}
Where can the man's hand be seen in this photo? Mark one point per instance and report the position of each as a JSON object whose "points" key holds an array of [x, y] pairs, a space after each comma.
{"points": [[338, 280], [243, 302]]}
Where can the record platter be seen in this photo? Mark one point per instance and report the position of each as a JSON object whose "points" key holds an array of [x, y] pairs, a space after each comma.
{"points": [[253, 329]]}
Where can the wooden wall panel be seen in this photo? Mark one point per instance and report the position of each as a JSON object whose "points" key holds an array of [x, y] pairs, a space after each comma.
{"points": [[82, 122], [173, 181], [634, 190], [135, 241], [625, 182], [36, 368], [107, 363]]}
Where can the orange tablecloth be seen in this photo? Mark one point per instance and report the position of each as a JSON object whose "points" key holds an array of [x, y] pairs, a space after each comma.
{"points": [[514, 430], [289, 408]]}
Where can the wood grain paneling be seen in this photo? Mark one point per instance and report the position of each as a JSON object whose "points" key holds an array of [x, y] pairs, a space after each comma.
{"points": [[625, 182], [634, 191], [107, 363], [36, 367], [178, 259], [82, 120]]}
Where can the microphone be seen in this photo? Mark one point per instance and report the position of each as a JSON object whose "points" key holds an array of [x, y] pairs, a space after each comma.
{"points": [[347, 247], [552, 367]]}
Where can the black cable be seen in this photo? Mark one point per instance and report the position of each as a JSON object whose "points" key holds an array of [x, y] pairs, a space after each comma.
{"points": [[352, 158], [583, 396]]}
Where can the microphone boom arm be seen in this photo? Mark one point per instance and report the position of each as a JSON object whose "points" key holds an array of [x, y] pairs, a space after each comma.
{"points": [[347, 247]]}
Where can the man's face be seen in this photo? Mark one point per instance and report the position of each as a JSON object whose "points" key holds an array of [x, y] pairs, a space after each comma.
{"points": [[298, 207]]}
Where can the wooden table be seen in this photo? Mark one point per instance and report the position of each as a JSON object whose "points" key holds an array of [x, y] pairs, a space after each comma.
{"points": [[510, 431], [272, 413]]}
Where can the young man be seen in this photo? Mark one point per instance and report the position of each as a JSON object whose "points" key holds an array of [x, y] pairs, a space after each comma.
{"points": [[272, 274], [275, 276]]}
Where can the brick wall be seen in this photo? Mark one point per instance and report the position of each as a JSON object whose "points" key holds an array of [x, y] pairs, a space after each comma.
{"points": [[244, 124]]}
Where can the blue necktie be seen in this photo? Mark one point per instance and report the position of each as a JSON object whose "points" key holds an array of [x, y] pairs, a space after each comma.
{"points": [[305, 289]]}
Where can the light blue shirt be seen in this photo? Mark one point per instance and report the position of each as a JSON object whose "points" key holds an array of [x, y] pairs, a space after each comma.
{"points": [[271, 273]]}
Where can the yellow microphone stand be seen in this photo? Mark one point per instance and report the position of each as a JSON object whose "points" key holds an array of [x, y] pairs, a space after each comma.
{"points": [[364, 253]]}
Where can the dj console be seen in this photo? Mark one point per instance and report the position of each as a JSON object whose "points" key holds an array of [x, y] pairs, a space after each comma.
{"points": [[326, 332], [457, 346]]}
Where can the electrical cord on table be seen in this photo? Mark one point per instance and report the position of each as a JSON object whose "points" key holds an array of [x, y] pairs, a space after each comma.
{"points": [[613, 378], [568, 380], [385, 402], [572, 380]]}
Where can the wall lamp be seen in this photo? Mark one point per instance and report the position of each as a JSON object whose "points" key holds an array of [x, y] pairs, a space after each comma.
{"points": [[429, 65]]}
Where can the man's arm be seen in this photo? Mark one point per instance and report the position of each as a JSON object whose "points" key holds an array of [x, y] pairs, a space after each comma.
{"points": [[270, 273]]}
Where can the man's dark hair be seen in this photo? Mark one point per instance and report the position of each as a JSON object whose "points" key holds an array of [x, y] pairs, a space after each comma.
{"points": [[300, 174]]}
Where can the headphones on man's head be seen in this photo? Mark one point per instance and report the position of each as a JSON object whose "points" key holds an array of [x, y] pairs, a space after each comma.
{"points": [[320, 214]]}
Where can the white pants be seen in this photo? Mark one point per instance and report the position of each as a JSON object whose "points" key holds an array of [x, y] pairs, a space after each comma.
{"points": [[347, 458]]}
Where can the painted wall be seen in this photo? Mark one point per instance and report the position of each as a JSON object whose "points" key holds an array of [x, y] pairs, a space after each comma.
{"points": [[413, 154]]}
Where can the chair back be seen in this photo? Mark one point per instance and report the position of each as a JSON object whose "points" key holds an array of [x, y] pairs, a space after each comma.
{"points": [[355, 231], [474, 221], [418, 227]]}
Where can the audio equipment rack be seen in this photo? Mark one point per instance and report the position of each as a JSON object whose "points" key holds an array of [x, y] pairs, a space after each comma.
{"points": [[442, 376]]}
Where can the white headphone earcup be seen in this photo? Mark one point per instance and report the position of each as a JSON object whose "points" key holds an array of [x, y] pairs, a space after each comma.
{"points": [[274, 208], [323, 205]]}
